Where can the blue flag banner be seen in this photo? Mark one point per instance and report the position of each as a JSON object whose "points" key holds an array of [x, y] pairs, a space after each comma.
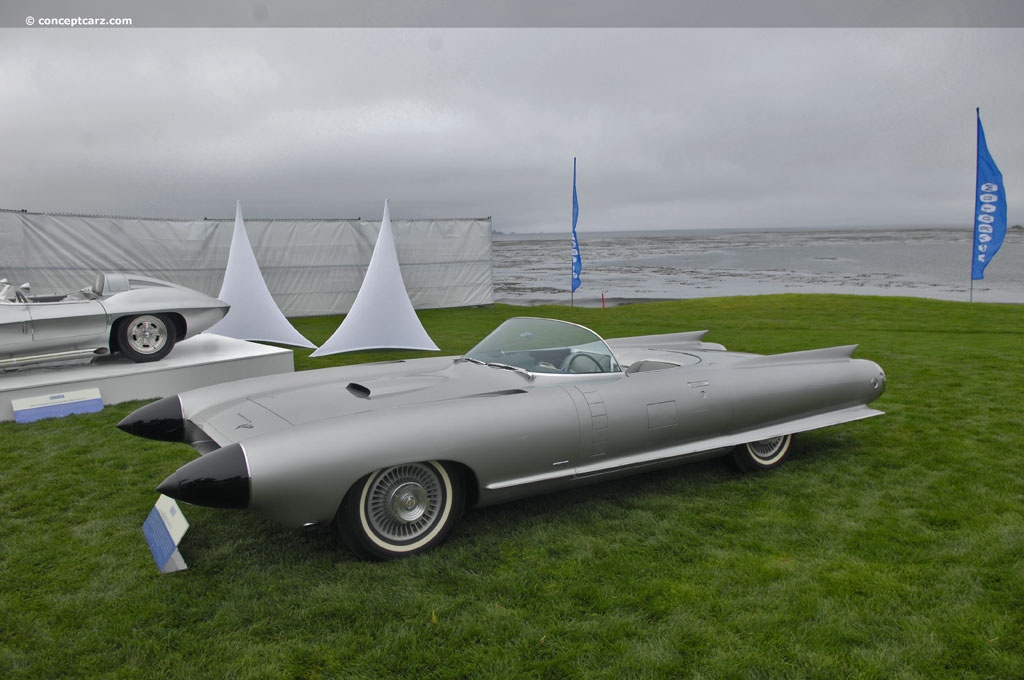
{"points": [[989, 209], [577, 263]]}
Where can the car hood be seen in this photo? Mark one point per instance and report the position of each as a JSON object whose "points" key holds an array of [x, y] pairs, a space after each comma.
{"points": [[337, 393]]}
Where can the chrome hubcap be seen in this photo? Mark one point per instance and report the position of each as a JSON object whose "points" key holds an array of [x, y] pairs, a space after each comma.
{"points": [[404, 502], [409, 502], [147, 335]]}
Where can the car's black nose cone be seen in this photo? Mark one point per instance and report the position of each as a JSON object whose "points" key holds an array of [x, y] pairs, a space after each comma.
{"points": [[161, 420], [219, 479]]}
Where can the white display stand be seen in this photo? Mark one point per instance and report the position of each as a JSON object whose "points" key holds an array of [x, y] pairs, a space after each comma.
{"points": [[206, 359]]}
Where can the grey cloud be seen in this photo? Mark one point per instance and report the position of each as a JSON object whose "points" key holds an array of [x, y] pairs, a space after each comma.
{"points": [[672, 127]]}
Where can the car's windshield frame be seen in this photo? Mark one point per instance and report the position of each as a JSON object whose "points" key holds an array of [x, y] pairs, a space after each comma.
{"points": [[546, 346]]}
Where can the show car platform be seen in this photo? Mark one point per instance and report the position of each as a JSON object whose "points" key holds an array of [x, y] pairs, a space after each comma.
{"points": [[197, 362]]}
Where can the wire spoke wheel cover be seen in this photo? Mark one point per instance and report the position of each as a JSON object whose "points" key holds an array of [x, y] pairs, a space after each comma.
{"points": [[767, 449], [402, 503], [763, 454], [400, 510]]}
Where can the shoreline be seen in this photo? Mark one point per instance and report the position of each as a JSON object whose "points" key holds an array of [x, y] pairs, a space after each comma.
{"points": [[930, 264]]}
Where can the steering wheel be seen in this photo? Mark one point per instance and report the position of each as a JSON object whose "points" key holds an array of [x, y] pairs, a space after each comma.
{"points": [[571, 359]]}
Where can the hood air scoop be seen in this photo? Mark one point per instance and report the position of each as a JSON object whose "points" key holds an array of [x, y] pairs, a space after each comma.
{"points": [[385, 387], [361, 391]]}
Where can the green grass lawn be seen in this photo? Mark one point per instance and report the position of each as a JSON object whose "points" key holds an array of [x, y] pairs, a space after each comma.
{"points": [[892, 547]]}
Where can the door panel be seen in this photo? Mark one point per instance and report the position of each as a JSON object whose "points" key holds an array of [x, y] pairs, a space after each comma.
{"points": [[15, 330], [645, 413], [76, 323]]}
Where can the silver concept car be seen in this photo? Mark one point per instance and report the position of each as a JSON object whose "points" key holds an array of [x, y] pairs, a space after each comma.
{"points": [[136, 316], [390, 453]]}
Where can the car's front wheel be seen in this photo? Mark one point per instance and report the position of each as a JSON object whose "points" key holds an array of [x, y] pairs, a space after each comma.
{"points": [[401, 510], [147, 337], [762, 455]]}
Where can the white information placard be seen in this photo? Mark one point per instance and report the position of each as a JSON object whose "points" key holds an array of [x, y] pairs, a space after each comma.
{"points": [[29, 409], [163, 529]]}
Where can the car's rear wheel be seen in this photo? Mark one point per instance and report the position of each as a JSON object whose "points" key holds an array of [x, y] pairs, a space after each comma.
{"points": [[764, 454], [146, 337], [401, 510]]}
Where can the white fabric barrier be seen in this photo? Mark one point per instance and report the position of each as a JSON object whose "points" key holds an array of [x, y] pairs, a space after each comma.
{"points": [[312, 267]]}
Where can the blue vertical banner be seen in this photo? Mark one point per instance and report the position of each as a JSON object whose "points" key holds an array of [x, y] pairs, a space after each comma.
{"points": [[989, 209], [577, 263]]}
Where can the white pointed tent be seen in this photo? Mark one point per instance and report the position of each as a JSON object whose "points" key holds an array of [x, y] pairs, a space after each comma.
{"points": [[382, 316], [253, 315]]}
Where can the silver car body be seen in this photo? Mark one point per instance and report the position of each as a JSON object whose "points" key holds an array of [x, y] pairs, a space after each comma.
{"points": [[85, 322], [539, 405]]}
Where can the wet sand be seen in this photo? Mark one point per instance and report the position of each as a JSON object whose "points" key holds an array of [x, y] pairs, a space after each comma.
{"points": [[929, 263]]}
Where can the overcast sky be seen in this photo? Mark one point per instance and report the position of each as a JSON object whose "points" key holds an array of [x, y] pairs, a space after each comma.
{"points": [[672, 128]]}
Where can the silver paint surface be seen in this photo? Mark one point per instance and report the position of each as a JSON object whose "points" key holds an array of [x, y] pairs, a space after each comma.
{"points": [[516, 428]]}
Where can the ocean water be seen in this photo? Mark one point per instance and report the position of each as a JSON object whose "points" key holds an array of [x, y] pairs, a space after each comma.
{"points": [[629, 266]]}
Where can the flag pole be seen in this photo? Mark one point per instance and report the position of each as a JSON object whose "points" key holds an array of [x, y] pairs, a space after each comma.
{"points": [[977, 174], [577, 265]]}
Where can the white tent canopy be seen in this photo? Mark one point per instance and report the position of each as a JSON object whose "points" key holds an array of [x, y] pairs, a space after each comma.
{"points": [[253, 315], [382, 315]]}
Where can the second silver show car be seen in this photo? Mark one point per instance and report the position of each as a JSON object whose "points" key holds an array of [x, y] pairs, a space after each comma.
{"points": [[138, 317], [391, 453]]}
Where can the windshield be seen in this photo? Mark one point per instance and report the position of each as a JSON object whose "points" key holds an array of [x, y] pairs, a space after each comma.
{"points": [[545, 346]]}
